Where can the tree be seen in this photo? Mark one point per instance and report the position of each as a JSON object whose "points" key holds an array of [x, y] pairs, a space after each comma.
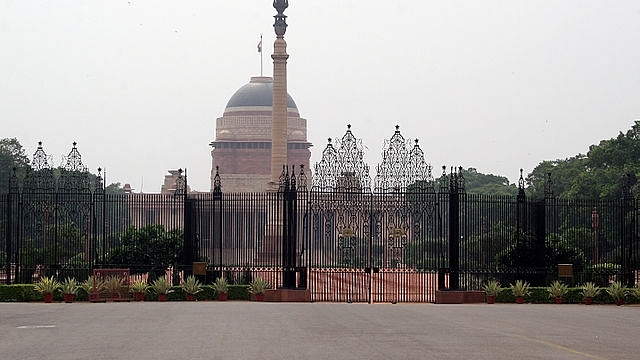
{"points": [[487, 184], [596, 175], [148, 249], [12, 155]]}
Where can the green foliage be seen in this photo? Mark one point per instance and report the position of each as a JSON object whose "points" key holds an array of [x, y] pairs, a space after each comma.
{"points": [[557, 289], [595, 175], [113, 284], [221, 285], [12, 155], [635, 291], [62, 243], [139, 286], [601, 274], [192, 285], [69, 286], [161, 286], [478, 183], [526, 252], [148, 249], [92, 283], [590, 290], [617, 291], [26, 292], [492, 288], [520, 288], [47, 285], [259, 286], [19, 292]]}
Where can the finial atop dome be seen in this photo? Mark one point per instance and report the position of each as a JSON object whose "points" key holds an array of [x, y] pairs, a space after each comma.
{"points": [[280, 25]]}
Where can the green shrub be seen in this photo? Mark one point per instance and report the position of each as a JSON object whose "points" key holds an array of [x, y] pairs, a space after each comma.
{"points": [[19, 292]]}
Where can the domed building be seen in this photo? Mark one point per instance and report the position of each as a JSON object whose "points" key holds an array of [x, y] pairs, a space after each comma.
{"points": [[242, 146]]}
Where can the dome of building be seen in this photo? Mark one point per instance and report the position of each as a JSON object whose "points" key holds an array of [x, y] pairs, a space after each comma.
{"points": [[258, 92]]}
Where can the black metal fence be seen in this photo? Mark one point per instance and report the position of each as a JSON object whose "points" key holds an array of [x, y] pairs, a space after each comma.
{"points": [[343, 240], [342, 245]]}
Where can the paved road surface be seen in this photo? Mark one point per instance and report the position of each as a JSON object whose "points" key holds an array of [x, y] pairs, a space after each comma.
{"points": [[250, 330]]}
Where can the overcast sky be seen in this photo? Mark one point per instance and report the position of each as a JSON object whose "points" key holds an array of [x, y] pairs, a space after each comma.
{"points": [[495, 85]]}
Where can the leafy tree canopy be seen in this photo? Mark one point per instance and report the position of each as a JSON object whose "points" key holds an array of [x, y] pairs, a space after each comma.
{"points": [[598, 174], [149, 248], [12, 155], [479, 183]]}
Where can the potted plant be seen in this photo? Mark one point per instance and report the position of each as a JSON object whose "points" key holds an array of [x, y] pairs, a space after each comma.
{"points": [[635, 291], [257, 288], [93, 287], [617, 292], [47, 286], [161, 287], [191, 287], [520, 290], [69, 289], [589, 291], [113, 286], [221, 286], [492, 288], [139, 288], [557, 290]]}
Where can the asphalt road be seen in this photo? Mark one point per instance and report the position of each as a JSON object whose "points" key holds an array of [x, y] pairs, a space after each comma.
{"points": [[250, 330]]}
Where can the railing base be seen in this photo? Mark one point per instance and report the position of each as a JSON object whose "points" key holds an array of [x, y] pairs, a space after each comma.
{"points": [[288, 295], [459, 297]]}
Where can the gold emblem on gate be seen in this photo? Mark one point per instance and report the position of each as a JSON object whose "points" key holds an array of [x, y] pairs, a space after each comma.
{"points": [[398, 232], [347, 232]]}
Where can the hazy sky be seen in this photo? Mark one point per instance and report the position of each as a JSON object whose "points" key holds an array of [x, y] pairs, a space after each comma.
{"points": [[495, 85]]}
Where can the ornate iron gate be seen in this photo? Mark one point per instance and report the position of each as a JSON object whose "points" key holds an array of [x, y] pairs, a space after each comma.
{"points": [[374, 246]]}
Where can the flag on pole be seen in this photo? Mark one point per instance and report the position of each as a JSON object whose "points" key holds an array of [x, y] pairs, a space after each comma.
{"points": [[260, 46]]}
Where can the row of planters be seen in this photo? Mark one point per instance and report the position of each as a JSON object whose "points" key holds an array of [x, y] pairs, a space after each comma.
{"points": [[111, 288], [559, 293]]}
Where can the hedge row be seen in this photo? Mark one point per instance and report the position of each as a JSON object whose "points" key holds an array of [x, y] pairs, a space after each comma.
{"points": [[26, 292], [540, 295]]}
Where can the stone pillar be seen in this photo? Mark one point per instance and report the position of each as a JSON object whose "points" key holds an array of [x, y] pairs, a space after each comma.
{"points": [[279, 108]]}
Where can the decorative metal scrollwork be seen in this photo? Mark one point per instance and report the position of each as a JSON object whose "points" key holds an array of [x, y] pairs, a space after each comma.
{"points": [[41, 178], [181, 183], [217, 182], [342, 167], [76, 175], [402, 166]]}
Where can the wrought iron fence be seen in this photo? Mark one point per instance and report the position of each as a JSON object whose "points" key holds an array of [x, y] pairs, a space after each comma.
{"points": [[342, 240]]}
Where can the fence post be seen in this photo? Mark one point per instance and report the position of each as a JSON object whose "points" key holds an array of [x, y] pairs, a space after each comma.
{"points": [[9, 224], [455, 185], [217, 222], [289, 230], [629, 235]]}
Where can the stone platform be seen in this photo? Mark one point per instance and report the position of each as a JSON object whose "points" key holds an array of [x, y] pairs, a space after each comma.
{"points": [[288, 295], [459, 297]]}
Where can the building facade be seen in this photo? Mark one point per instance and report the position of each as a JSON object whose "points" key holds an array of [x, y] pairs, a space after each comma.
{"points": [[242, 146]]}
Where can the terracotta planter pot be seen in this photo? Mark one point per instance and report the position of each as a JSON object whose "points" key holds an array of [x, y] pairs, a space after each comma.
{"points": [[520, 300], [190, 297], [68, 298], [259, 297], [491, 299], [48, 298], [558, 300], [93, 296], [138, 296], [588, 301], [619, 302], [162, 297], [222, 296]]}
